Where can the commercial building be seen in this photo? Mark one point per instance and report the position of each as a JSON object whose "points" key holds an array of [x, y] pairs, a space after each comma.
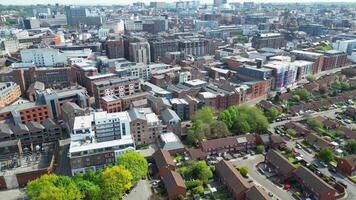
{"points": [[43, 57], [194, 46], [159, 48], [345, 46], [270, 40], [56, 78], [9, 92], [25, 112], [140, 52], [80, 15], [97, 140], [313, 29], [56, 98], [115, 48]]}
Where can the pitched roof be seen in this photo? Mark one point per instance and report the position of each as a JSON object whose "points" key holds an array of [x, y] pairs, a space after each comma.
{"points": [[351, 159], [257, 193], [316, 141], [163, 158], [172, 180], [280, 162], [226, 142], [311, 180], [232, 177]]}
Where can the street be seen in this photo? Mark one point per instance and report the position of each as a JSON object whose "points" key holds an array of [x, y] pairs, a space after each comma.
{"points": [[260, 179], [142, 191]]}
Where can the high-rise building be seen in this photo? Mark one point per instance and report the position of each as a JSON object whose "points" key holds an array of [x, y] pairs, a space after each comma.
{"points": [[140, 52]]}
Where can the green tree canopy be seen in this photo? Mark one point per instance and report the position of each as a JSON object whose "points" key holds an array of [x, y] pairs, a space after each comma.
{"points": [[272, 113], [206, 115], [219, 129], [243, 170], [314, 123], [351, 146], [90, 190], [135, 163], [304, 94], [115, 181], [53, 187], [202, 171], [311, 78], [326, 154]]}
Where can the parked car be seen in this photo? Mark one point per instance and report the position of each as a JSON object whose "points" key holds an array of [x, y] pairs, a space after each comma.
{"points": [[323, 164]]}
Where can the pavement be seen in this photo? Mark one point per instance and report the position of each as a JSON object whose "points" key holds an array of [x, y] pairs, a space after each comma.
{"points": [[142, 191], [14, 194], [259, 179]]}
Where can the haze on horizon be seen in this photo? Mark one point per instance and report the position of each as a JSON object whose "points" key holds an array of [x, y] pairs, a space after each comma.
{"points": [[123, 2]]}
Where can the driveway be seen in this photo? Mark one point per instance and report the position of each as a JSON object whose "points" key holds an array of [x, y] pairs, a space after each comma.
{"points": [[259, 179], [142, 191]]}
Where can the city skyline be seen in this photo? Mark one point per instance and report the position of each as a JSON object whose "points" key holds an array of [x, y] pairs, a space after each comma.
{"points": [[113, 2]]}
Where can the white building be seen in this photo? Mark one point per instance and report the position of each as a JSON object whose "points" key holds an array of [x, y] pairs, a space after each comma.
{"points": [[184, 77], [43, 57], [345, 46], [97, 140]]}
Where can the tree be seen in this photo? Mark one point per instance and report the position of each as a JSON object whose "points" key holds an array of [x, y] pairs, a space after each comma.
{"points": [[206, 115], [311, 78], [195, 133], [260, 149], [326, 154], [53, 187], [241, 127], [243, 170], [115, 181], [202, 171], [304, 94], [135, 163], [219, 129], [88, 189], [351, 146], [272, 113], [316, 124]]}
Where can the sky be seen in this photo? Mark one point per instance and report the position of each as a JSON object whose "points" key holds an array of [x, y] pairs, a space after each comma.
{"points": [[110, 2]]}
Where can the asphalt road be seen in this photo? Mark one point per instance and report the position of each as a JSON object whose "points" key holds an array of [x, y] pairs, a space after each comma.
{"points": [[260, 179], [142, 191]]}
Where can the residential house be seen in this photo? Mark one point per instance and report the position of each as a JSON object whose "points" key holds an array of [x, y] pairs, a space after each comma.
{"points": [[347, 164], [229, 144], [257, 193], [164, 162], [281, 164], [232, 179], [309, 181], [174, 184]]}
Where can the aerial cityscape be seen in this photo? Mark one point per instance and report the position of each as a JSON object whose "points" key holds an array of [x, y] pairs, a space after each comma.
{"points": [[178, 100]]}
